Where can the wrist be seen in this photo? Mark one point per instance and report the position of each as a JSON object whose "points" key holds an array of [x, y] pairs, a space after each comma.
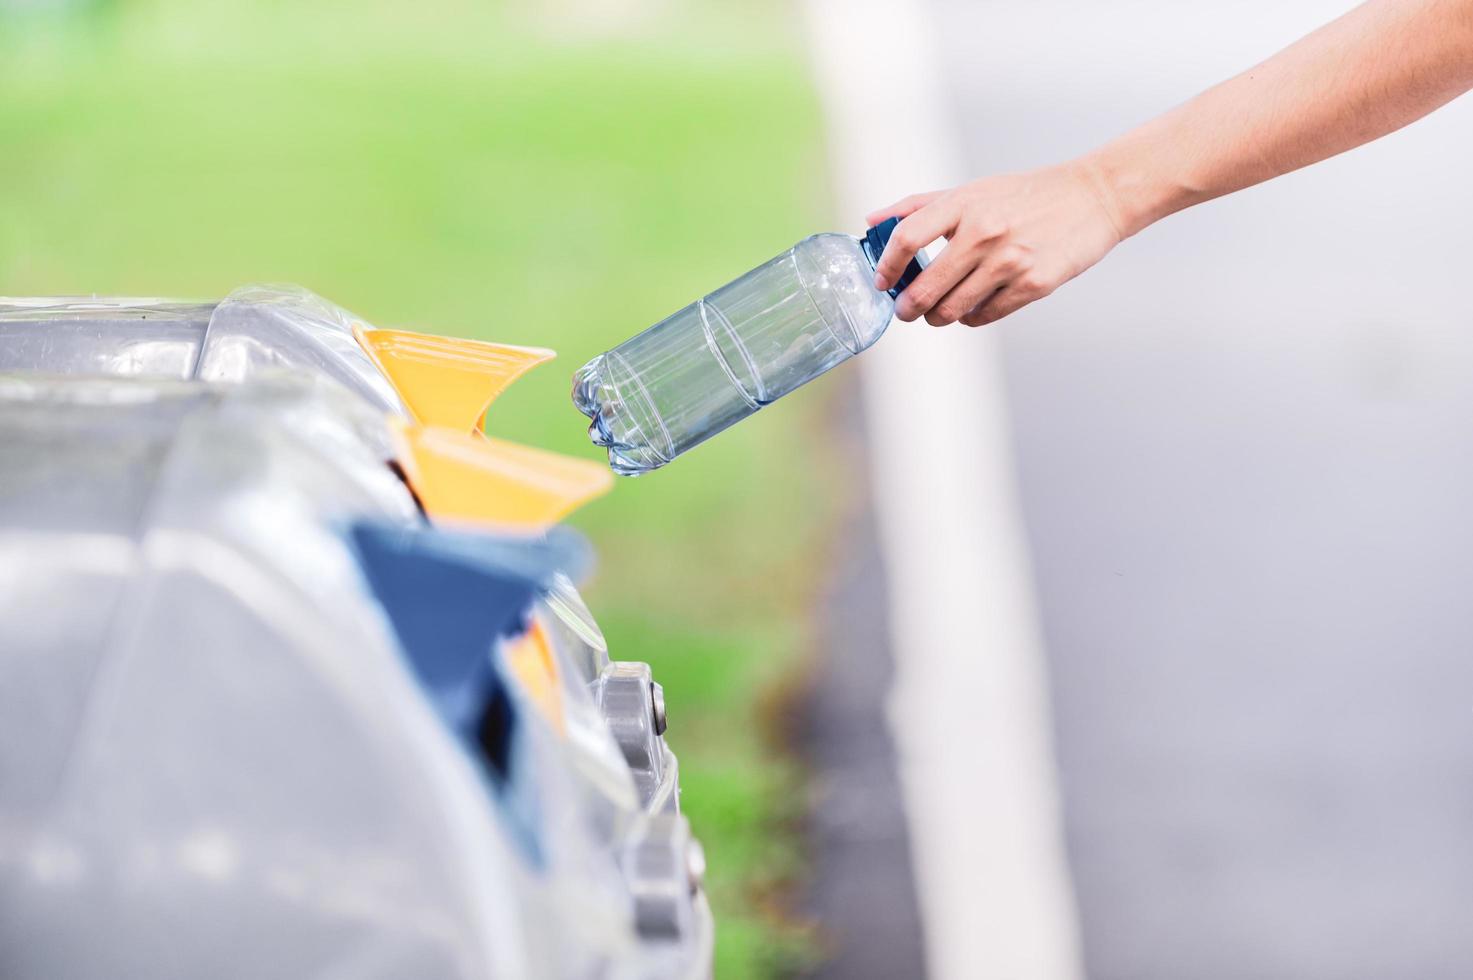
{"points": [[1130, 183]]}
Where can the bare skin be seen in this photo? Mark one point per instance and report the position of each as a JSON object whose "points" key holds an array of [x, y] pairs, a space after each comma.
{"points": [[1015, 238]]}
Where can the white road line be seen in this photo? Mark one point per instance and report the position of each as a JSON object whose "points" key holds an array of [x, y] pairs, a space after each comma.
{"points": [[970, 706]]}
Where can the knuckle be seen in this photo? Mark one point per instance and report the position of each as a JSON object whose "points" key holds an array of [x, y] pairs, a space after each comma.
{"points": [[970, 243], [999, 265], [1033, 284], [991, 229], [922, 296], [1010, 260], [945, 312]]}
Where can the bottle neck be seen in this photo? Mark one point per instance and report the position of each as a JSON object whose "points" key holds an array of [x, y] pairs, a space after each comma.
{"points": [[873, 245]]}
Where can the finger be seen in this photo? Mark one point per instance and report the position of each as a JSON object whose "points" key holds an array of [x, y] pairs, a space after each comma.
{"points": [[1000, 265], [969, 294], [901, 208], [948, 269], [914, 233], [1003, 303]]}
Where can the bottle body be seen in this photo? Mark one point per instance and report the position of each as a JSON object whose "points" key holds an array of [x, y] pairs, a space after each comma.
{"points": [[718, 360]]}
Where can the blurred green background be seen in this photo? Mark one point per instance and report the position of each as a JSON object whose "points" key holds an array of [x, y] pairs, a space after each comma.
{"points": [[559, 174]]}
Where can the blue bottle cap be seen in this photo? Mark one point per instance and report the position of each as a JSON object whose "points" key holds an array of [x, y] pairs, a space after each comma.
{"points": [[873, 244]]}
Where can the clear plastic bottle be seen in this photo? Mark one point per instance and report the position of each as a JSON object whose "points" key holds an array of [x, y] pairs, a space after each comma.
{"points": [[747, 344]]}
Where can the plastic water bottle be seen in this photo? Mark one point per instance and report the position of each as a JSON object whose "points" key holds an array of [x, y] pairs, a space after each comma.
{"points": [[747, 344]]}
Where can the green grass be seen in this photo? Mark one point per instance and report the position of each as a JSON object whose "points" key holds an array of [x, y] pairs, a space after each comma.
{"points": [[462, 169]]}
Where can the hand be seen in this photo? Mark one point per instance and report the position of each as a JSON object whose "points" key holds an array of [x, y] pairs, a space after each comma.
{"points": [[1010, 240]]}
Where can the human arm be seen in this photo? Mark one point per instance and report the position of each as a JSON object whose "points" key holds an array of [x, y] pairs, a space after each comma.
{"points": [[1015, 238]]}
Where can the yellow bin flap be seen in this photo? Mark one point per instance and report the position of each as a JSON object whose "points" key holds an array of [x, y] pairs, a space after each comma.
{"points": [[532, 663], [447, 381], [466, 476]]}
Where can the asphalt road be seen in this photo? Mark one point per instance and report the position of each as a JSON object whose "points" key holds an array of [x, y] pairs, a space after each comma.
{"points": [[861, 892], [1245, 458]]}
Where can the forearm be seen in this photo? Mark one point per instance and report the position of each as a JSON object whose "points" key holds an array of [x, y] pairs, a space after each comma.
{"points": [[1378, 68]]}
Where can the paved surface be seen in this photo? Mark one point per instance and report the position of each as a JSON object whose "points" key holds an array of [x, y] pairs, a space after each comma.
{"points": [[862, 890], [1245, 450]]}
